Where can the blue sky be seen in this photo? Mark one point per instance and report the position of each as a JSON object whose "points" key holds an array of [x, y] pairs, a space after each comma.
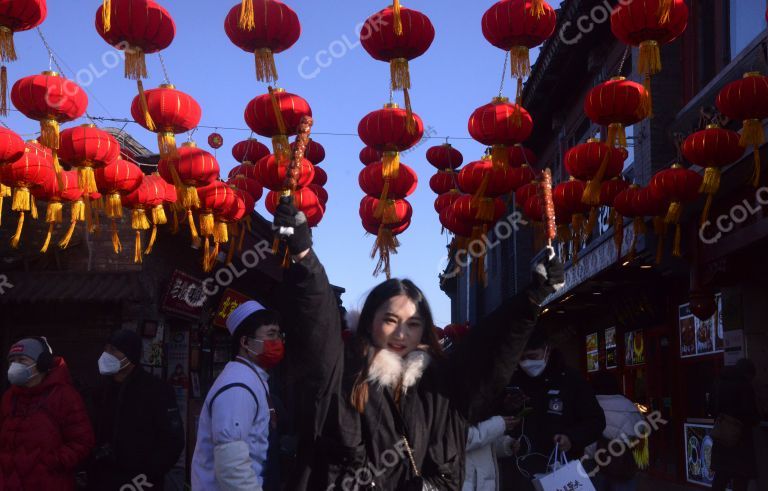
{"points": [[460, 72]]}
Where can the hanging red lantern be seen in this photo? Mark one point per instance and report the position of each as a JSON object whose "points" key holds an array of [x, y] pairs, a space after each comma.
{"points": [[304, 200], [649, 24], [369, 155], [444, 181], [650, 202], [746, 100], [712, 149], [321, 193], [374, 228], [617, 103], [159, 190], [482, 179], [521, 176], [146, 197], [52, 100], [271, 27], [249, 151], [450, 220], [55, 197], [390, 225], [277, 115], [385, 130], [11, 149], [444, 157], [321, 178], [594, 161], [29, 171], [678, 186], [193, 169], [402, 211], [567, 198], [525, 192], [215, 198], [481, 214], [73, 193], [250, 186], [271, 173], [15, 16], [247, 170], [625, 205], [610, 189], [314, 152], [373, 183], [533, 208], [520, 156], [500, 125], [446, 199], [171, 111], [115, 180], [215, 141], [517, 26]]}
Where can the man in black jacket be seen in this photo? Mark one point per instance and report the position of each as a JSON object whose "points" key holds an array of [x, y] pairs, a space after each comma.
{"points": [[561, 410], [139, 433]]}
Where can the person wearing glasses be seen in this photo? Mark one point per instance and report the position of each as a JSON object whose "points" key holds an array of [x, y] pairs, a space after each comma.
{"points": [[238, 415]]}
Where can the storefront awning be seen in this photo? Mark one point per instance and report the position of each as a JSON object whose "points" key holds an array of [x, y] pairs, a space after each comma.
{"points": [[55, 287]]}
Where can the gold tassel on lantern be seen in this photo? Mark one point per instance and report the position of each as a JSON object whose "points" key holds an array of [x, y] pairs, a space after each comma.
{"points": [[175, 222], [480, 193], [379, 211], [206, 224], [21, 199], [400, 74], [116, 245], [53, 215], [520, 62], [3, 91], [32, 207], [5, 192], [398, 20], [676, 246], [135, 63], [148, 121], [390, 165], [617, 135], [500, 156], [485, 210], [280, 146], [386, 245], [158, 215], [709, 186], [591, 194], [410, 121], [753, 134], [139, 222], [266, 71], [7, 49], [649, 64], [674, 212], [152, 237], [114, 206], [193, 229], [537, 8], [49, 133], [247, 20], [17, 236], [591, 222], [166, 144], [106, 15], [641, 454], [77, 214], [665, 9]]}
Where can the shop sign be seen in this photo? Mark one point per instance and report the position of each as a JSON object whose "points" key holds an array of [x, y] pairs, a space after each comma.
{"points": [[699, 337], [634, 348], [593, 353], [734, 347], [185, 296], [229, 302], [698, 454], [611, 358]]}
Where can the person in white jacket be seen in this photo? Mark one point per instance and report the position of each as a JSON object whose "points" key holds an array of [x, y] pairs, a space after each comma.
{"points": [[233, 432], [487, 441]]}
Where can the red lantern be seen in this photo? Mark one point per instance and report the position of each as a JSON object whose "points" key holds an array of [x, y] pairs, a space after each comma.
{"points": [[374, 228], [386, 131], [453, 224], [389, 225], [171, 112], [314, 152], [304, 200], [521, 176], [54, 196], [625, 205], [482, 179], [29, 171], [217, 200], [444, 157], [712, 149], [525, 192], [277, 115], [649, 201], [567, 198], [594, 161], [617, 104], [610, 189], [247, 170], [677, 185], [374, 184], [520, 156], [402, 211], [271, 27], [473, 211], [321, 178], [648, 24], [369, 155], [446, 199], [11, 149], [271, 172], [517, 26], [321, 193], [52, 100], [15, 16], [500, 125], [249, 151], [115, 180], [746, 100], [215, 141], [533, 208], [146, 197], [443, 182], [250, 186]]}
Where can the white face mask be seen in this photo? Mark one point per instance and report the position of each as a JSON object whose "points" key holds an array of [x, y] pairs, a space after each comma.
{"points": [[534, 368], [109, 364], [19, 374]]}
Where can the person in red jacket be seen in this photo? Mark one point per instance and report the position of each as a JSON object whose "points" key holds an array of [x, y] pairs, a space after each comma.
{"points": [[45, 432]]}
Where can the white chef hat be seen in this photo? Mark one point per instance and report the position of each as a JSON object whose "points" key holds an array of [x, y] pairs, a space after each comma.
{"points": [[242, 312]]}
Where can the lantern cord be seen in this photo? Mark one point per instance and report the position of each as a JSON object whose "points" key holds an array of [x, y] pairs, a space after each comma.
{"points": [[623, 61], [165, 71], [504, 73]]}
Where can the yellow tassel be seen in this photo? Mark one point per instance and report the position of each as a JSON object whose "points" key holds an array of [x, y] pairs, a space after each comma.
{"points": [[673, 213], [17, 236], [220, 233], [591, 194], [1, 209], [49, 133], [175, 223], [281, 148], [3, 91], [665, 9], [678, 239], [266, 71], [106, 15], [135, 63], [281, 127], [753, 134], [649, 61], [390, 215], [158, 215], [116, 245], [410, 122], [54, 213], [537, 8], [390, 165], [47, 241], [139, 219], [189, 197], [485, 210], [166, 143], [148, 121], [5, 191], [137, 248], [617, 135], [152, 238], [397, 18], [520, 62], [711, 182], [32, 207], [206, 224], [379, 211], [480, 193], [247, 20], [193, 230], [77, 214], [400, 74], [231, 250], [21, 199], [500, 156], [386, 244], [114, 206], [7, 49], [641, 454]]}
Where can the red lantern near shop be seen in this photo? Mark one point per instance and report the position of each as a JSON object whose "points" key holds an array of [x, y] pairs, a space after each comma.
{"points": [[11, 149], [625, 205], [444, 157], [15, 16], [159, 191], [369, 155], [115, 180], [617, 103], [215, 198], [271, 27], [446, 199], [500, 125], [144, 198], [594, 161], [271, 173], [29, 171], [72, 192], [250, 186], [277, 115], [374, 184], [649, 24], [678, 186], [521, 176], [712, 149], [54, 196], [385, 131], [474, 213], [650, 202], [520, 156], [517, 26], [51, 100], [171, 111], [444, 181], [304, 200], [483, 179], [314, 152], [567, 197], [525, 192], [389, 226], [249, 151], [610, 189], [746, 100], [450, 220]]}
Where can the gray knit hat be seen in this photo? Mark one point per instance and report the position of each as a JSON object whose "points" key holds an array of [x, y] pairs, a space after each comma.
{"points": [[30, 347]]}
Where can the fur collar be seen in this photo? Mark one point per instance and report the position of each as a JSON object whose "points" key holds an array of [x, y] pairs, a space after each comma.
{"points": [[389, 369]]}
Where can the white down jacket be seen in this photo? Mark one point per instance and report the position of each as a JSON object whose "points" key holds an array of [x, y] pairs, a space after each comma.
{"points": [[486, 442]]}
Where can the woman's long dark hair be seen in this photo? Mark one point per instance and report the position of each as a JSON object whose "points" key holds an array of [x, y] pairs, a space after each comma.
{"points": [[376, 298]]}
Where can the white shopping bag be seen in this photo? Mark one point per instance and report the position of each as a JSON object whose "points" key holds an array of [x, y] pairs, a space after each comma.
{"points": [[564, 475]]}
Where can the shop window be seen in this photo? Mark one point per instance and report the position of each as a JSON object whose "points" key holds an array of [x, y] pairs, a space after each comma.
{"points": [[746, 22]]}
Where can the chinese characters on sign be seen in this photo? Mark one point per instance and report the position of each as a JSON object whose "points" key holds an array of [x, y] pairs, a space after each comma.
{"points": [[699, 337], [184, 296], [229, 302]]}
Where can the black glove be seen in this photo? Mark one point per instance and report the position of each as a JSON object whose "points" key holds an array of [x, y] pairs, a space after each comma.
{"points": [[291, 226], [548, 277]]}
